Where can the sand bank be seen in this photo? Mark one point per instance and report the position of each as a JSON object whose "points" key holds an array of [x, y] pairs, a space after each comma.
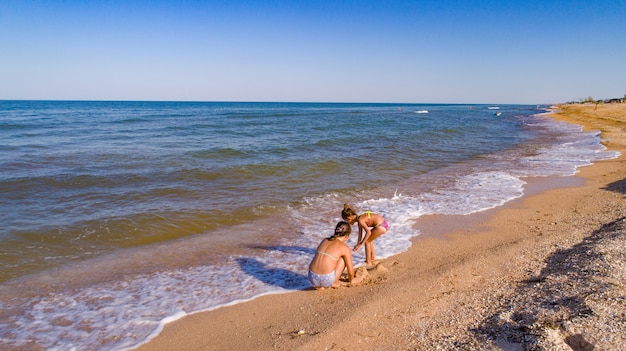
{"points": [[547, 271]]}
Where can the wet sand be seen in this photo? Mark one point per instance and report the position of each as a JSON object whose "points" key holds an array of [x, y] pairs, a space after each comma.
{"points": [[547, 272]]}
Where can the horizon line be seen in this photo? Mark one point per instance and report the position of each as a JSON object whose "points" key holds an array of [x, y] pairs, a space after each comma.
{"points": [[280, 102]]}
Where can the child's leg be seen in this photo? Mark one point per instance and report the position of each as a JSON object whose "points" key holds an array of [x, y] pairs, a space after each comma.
{"points": [[369, 249]]}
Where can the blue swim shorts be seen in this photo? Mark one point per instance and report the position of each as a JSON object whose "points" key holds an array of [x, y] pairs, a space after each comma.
{"points": [[322, 280]]}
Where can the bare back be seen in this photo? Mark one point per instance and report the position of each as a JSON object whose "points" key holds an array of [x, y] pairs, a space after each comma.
{"points": [[370, 219], [328, 253]]}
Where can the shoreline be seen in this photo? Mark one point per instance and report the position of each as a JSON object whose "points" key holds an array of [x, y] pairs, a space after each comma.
{"points": [[448, 289]]}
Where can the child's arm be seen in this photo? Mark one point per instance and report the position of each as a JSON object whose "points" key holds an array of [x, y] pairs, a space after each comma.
{"points": [[356, 247], [347, 259], [362, 228], [353, 278]]}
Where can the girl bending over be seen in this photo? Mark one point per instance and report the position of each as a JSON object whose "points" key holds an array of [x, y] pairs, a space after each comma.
{"points": [[372, 224]]}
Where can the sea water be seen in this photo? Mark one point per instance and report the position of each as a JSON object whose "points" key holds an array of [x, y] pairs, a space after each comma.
{"points": [[117, 217]]}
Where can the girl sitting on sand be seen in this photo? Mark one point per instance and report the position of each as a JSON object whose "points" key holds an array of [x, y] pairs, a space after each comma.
{"points": [[374, 225], [331, 258]]}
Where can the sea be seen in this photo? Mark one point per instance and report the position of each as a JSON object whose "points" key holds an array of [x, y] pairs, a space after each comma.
{"points": [[119, 217]]}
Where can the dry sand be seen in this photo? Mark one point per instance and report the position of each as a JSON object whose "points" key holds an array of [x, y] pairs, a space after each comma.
{"points": [[546, 272]]}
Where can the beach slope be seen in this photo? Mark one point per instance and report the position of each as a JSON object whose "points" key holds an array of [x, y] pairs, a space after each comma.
{"points": [[545, 272]]}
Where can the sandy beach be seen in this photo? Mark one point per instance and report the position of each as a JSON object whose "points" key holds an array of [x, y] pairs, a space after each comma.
{"points": [[545, 272]]}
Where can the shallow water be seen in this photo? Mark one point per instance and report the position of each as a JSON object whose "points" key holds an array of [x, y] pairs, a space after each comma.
{"points": [[120, 216]]}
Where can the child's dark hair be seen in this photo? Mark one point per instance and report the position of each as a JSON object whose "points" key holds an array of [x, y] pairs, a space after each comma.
{"points": [[347, 212], [342, 229]]}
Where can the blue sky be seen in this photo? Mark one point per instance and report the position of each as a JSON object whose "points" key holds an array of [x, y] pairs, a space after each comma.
{"points": [[327, 51]]}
